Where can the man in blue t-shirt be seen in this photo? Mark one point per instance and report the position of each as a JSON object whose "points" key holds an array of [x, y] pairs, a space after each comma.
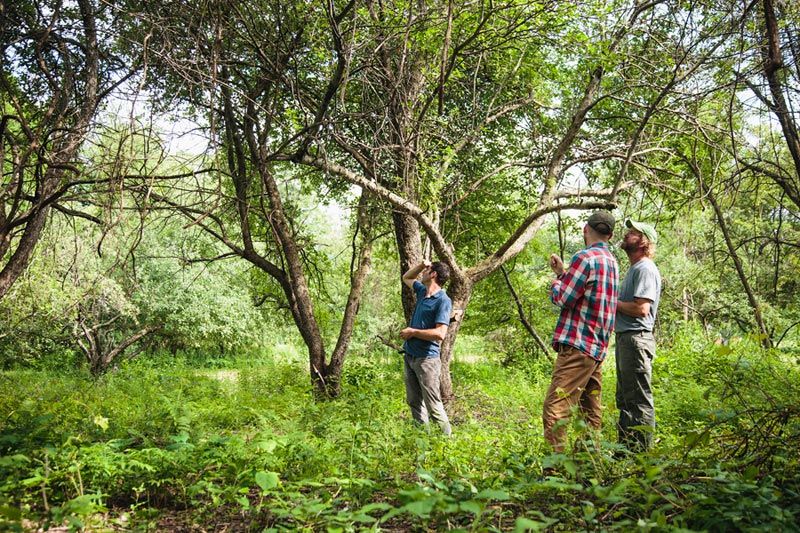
{"points": [[423, 336], [637, 307]]}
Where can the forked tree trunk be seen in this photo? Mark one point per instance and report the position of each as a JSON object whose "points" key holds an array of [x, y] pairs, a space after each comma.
{"points": [[296, 289], [363, 264], [101, 357], [409, 217]]}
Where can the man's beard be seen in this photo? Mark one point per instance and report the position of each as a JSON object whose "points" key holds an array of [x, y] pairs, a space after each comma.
{"points": [[630, 246]]}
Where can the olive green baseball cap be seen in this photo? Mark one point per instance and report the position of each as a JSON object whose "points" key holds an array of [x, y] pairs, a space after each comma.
{"points": [[602, 222], [644, 228]]}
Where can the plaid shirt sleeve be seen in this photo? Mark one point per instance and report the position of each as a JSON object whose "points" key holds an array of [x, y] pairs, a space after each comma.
{"points": [[568, 288]]}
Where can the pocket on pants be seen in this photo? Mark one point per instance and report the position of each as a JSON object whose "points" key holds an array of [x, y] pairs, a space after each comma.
{"points": [[644, 346]]}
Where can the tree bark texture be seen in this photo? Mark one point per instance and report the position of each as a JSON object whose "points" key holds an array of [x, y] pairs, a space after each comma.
{"points": [[460, 292], [773, 64], [409, 251]]}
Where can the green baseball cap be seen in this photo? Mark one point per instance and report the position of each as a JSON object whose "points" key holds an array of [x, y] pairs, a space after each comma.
{"points": [[602, 221], [644, 228]]}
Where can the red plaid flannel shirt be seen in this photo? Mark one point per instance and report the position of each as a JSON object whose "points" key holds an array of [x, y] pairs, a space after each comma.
{"points": [[587, 295]]}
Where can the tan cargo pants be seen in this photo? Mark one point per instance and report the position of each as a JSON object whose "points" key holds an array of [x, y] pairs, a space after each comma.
{"points": [[577, 380]]}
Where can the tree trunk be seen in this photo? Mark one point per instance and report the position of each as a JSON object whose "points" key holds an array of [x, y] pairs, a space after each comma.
{"points": [[409, 251], [297, 288], [333, 371], [460, 292], [401, 79], [773, 63], [99, 356], [19, 260], [72, 118], [685, 303]]}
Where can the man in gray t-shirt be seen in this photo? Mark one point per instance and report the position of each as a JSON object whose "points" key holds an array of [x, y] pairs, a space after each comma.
{"points": [[639, 294]]}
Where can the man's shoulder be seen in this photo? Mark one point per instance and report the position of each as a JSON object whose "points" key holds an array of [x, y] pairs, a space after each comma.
{"points": [[646, 265], [583, 254], [444, 298], [595, 253]]}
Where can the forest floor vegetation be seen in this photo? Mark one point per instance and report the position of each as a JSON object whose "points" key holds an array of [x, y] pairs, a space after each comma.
{"points": [[163, 445]]}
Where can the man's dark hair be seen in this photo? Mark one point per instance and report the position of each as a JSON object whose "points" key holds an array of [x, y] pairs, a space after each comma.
{"points": [[442, 272]]}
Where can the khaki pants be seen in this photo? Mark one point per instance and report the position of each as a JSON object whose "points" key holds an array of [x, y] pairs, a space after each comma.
{"points": [[577, 380], [422, 390]]}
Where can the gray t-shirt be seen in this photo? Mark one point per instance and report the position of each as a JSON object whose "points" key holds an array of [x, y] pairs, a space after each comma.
{"points": [[642, 281]]}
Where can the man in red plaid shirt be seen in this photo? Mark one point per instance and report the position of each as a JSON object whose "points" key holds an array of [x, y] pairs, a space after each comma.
{"points": [[587, 293]]}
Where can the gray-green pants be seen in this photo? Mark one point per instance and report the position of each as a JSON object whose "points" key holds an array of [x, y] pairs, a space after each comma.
{"points": [[635, 351], [422, 390]]}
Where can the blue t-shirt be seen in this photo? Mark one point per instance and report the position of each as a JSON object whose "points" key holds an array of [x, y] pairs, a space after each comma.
{"points": [[429, 311], [642, 281]]}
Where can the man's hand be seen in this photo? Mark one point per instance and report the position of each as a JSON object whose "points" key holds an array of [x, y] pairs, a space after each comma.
{"points": [[556, 264], [411, 276], [407, 333]]}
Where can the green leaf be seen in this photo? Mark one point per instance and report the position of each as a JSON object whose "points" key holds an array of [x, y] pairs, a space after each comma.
{"points": [[363, 519], [14, 460], [750, 473], [421, 508], [11, 513], [526, 524], [492, 494], [377, 506], [267, 480], [653, 472], [266, 446], [84, 505], [723, 350], [697, 438], [101, 421], [471, 506]]}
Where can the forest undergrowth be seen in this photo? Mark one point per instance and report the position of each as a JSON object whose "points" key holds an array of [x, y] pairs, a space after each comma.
{"points": [[164, 445]]}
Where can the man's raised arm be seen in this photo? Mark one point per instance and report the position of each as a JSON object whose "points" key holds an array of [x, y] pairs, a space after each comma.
{"points": [[411, 276]]}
